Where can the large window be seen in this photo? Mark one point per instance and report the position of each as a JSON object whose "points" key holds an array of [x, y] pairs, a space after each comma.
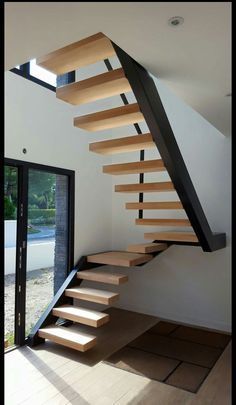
{"points": [[43, 77], [42, 74]]}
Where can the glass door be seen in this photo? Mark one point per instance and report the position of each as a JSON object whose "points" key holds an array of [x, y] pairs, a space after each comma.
{"points": [[10, 239], [39, 239], [47, 241]]}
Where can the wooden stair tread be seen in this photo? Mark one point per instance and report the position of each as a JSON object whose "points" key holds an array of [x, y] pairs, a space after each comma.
{"points": [[102, 277], [81, 315], [165, 205], [66, 337], [145, 166], [126, 144], [84, 52], [172, 236], [125, 259], [98, 87], [162, 222], [145, 187], [147, 247], [115, 117], [92, 294]]}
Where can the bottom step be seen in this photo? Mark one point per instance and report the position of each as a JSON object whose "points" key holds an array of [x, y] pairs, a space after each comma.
{"points": [[66, 337]]}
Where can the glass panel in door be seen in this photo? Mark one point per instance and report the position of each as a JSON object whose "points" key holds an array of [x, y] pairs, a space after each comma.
{"points": [[47, 241], [10, 232]]}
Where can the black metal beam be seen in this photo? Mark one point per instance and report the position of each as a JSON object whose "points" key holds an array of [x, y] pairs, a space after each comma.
{"points": [[151, 106]]}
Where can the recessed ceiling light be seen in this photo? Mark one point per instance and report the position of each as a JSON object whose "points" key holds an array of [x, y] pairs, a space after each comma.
{"points": [[175, 21]]}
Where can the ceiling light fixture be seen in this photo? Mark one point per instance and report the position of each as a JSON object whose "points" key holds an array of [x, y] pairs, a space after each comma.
{"points": [[175, 21]]}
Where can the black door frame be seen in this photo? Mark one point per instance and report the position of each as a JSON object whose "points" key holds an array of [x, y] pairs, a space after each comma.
{"points": [[21, 239]]}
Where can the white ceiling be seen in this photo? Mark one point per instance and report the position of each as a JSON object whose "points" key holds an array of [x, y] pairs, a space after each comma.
{"points": [[194, 59]]}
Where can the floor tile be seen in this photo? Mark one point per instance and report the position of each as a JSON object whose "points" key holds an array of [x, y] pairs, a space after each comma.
{"points": [[188, 377], [195, 353], [143, 363]]}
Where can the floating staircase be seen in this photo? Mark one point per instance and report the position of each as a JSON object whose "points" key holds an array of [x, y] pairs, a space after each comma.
{"points": [[129, 77]]}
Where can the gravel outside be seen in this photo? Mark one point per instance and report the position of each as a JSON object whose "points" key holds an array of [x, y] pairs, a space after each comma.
{"points": [[39, 292]]}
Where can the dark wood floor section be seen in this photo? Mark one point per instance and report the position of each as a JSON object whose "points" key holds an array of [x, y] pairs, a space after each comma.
{"points": [[109, 336], [178, 355]]}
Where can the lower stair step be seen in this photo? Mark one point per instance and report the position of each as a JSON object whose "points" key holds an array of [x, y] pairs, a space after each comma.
{"points": [[162, 222], [81, 315], [102, 277], [119, 258], [64, 336], [92, 294], [147, 247], [172, 236]]}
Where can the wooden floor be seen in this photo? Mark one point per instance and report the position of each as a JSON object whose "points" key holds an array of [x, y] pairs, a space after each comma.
{"points": [[53, 375]]}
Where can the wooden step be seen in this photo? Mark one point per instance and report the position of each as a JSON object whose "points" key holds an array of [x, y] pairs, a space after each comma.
{"points": [[113, 118], [119, 145], [145, 187], [102, 277], [98, 87], [147, 247], [119, 258], [81, 315], [92, 294], [81, 53], [172, 236], [165, 205], [64, 336], [145, 166], [162, 222]]}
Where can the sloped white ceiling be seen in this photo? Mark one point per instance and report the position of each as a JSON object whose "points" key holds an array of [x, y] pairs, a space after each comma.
{"points": [[194, 59]]}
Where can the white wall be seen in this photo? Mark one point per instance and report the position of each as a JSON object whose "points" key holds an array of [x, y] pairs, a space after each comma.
{"points": [[183, 283], [37, 121]]}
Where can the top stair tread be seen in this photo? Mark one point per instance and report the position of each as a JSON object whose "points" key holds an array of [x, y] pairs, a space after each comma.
{"points": [[125, 259], [74, 339], [103, 277], [113, 118], [97, 87], [126, 144], [84, 52]]}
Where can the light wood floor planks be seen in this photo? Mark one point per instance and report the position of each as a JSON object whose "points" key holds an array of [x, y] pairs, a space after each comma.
{"points": [[51, 374]]}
